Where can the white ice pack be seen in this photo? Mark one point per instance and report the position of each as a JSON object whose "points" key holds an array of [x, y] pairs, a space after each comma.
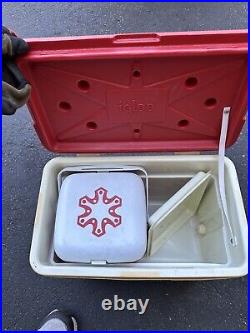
{"points": [[101, 216]]}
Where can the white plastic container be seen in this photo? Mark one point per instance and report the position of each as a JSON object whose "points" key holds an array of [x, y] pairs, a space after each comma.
{"points": [[186, 255], [101, 217]]}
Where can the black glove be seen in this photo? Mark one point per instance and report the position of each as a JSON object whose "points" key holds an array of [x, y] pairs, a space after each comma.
{"points": [[15, 89]]}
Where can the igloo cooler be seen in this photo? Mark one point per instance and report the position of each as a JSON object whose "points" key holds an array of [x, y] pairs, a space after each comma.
{"points": [[148, 96]]}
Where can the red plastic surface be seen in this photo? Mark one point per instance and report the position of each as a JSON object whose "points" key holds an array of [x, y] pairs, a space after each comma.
{"points": [[137, 92]]}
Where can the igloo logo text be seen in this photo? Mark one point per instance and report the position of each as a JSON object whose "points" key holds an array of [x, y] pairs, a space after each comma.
{"points": [[104, 204]]}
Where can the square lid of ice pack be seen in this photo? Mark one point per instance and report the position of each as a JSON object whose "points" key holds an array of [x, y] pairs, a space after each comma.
{"points": [[101, 217]]}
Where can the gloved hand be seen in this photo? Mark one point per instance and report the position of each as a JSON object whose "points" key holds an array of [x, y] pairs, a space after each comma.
{"points": [[15, 89]]}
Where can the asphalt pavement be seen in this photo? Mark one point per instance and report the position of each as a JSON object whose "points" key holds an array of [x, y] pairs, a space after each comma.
{"points": [[28, 297]]}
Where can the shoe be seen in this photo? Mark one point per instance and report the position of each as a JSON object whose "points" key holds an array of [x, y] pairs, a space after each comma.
{"points": [[58, 321]]}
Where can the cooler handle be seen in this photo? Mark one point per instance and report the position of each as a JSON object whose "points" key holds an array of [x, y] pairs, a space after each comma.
{"points": [[131, 39]]}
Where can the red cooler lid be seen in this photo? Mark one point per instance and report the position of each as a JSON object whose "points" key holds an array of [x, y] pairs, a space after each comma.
{"points": [[137, 92]]}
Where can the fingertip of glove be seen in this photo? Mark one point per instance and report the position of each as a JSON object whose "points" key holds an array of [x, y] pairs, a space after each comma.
{"points": [[19, 46]]}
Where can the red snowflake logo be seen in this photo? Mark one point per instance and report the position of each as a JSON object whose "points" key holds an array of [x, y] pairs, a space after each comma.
{"points": [[100, 198]]}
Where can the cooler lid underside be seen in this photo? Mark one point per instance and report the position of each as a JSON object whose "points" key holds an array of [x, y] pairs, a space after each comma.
{"points": [[137, 92]]}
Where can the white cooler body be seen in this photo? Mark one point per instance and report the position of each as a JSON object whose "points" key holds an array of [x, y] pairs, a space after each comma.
{"points": [[186, 255]]}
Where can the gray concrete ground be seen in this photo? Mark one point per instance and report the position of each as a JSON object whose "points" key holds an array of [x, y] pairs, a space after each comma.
{"points": [[27, 297]]}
